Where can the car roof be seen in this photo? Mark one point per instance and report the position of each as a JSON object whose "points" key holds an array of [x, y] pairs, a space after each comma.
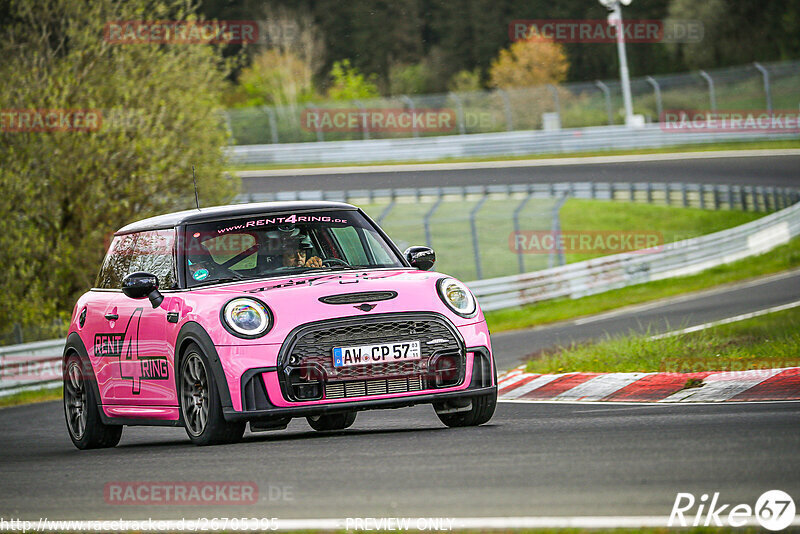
{"points": [[170, 220]]}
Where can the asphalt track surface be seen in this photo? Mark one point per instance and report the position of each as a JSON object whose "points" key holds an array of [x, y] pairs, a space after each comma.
{"points": [[781, 171], [534, 459]]}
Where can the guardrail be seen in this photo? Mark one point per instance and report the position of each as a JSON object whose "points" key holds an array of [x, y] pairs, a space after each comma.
{"points": [[30, 366], [620, 270], [516, 143]]}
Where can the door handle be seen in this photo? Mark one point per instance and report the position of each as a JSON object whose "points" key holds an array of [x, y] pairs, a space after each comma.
{"points": [[112, 316]]}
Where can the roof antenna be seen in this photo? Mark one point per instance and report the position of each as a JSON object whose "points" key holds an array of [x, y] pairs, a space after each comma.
{"points": [[196, 200]]}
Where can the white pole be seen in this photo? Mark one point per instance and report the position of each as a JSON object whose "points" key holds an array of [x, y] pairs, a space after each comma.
{"points": [[616, 16]]}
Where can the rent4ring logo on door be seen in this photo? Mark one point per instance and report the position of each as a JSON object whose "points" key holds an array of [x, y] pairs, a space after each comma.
{"points": [[126, 347]]}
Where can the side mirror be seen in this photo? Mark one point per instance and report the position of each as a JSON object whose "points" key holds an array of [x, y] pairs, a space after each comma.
{"points": [[422, 258], [141, 285]]}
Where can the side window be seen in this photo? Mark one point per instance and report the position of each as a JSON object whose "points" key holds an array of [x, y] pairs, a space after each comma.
{"points": [[117, 262], [380, 251], [153, 253]]}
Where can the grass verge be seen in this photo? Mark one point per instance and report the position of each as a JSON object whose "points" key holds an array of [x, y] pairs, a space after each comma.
{"points": [[27, 397], [766, 342], [712, 147], [779, 259]]}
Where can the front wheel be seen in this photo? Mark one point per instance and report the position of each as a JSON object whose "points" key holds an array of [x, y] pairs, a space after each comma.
{"points": [[336, 421], [86, 429], [481, 410], [201, 408]]}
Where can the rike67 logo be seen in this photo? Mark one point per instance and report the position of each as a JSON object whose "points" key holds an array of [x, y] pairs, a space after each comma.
{"points": [[126, 347], [774, 510]]}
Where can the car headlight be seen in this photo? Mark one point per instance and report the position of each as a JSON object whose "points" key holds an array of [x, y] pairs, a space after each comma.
{"points": [[457, 297], [246, 317]]}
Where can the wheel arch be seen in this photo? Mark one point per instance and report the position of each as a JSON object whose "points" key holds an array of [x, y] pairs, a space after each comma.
{"points": [[193, 332]]}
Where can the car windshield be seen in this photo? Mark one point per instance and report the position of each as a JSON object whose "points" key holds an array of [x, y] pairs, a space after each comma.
{"points": [[274, 245]]}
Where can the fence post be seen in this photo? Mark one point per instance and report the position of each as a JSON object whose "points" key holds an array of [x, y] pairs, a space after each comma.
{"points": [[558, 254], [273, 125], [765, 75], [702, 196], [743, 197], [716, 197], [556, 100], [474, 228], [607, 95], [657, 90], [364, 125], [320, 135], [427, 220], [507, 107], [517, 210], [730, 197], [410, 104], [461, 129], [684, 196], [711, 94]]}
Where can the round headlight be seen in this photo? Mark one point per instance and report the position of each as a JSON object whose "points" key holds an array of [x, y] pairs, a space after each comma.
{"points": [[246, 317], [457, 297]]}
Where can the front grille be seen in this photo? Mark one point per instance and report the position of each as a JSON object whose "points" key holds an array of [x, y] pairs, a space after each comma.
{"points": [[367, 388], [311, 347]]}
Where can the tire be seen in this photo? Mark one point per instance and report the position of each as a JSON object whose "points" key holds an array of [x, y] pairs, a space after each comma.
{"points": [[482, 410], [201, 409], [84, 426], [335, 421]]}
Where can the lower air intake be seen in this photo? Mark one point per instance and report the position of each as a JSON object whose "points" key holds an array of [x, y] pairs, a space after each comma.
{"points": [[368, 388]]}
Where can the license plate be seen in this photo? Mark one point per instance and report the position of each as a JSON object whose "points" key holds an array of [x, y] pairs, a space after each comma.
{"points": [[374, 354]]}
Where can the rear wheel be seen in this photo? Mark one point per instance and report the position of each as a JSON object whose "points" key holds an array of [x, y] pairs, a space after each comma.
{"points": [[480, 412], [86, 429], [335, 421], [201, 408]]}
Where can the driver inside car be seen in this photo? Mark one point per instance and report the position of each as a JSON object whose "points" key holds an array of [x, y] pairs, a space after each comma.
{"points": [[295, 252]]}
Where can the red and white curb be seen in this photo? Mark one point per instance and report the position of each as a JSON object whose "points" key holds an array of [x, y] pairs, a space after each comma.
{"points": [[722, 386]]}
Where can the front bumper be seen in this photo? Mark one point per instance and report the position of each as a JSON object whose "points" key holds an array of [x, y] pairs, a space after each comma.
{"points": [[480, 380]]}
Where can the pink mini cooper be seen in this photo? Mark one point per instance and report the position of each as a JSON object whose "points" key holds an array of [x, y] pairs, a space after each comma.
{"points": [[211, 318]]}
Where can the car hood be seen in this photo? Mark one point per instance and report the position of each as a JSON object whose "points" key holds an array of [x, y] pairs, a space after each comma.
{"points": [[295, 300]]}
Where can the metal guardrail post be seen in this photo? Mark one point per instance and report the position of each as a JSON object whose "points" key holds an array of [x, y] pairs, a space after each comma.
{"points": [[474, 228], [657, 90], [632, 192], [364, 125], [711, 93], [557, 256], [716, 197], [702, 197], [517, 210], [507, 107], [556, 100], [387, 209], [730, 196], [684, 195], [765, 75], [410, 104], [273, 124], [607, 95], [460, 110], [427, 219]]}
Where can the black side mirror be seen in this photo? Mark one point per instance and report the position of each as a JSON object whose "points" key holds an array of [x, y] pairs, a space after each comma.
{"points": [[141, 285], [422, 258]]}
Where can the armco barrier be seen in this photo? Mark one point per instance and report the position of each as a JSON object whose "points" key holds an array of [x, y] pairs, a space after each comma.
{"points": [[620, 270], [517, 143], [34, 365]]}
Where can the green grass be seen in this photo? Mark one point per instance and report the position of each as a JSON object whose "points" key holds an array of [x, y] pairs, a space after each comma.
{"points": [[451, 234], [766, 342], [710, 147], [27, 397], [779, 259]]}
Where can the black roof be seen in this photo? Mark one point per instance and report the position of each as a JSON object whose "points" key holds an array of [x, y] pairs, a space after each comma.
{"points": [[170, 220]]}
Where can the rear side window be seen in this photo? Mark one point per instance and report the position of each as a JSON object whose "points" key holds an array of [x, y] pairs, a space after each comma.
{"points": [[150, 252]]}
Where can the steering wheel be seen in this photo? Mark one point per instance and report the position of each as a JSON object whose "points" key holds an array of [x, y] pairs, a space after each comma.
{"points": [[335, 261]]}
